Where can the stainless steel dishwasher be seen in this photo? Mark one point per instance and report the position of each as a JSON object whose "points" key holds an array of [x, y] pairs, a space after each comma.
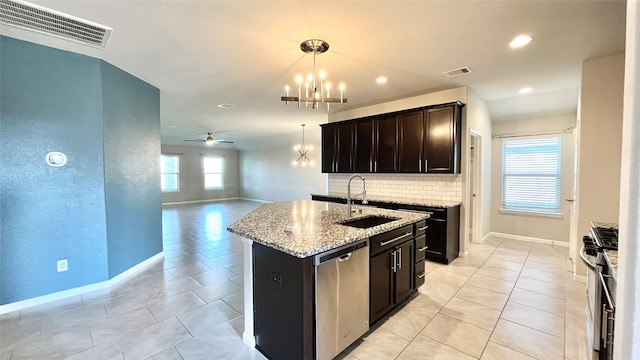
{"points": [[342, 298]]}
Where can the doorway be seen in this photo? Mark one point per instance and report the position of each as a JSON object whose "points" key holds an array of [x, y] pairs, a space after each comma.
{"points": [[474, 187]]}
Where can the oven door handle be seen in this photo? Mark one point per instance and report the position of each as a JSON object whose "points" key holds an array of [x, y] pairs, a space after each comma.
{"points": [[583, 256], [605, 290]]}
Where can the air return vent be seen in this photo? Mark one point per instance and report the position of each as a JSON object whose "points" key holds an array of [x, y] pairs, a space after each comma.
{"points": [[455, 72], [37, 18]]}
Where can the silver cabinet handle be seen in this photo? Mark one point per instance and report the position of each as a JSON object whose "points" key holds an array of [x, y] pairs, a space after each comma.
{"points": [[421, 275], [393, 254], [605, 323], [423, 228], [423, 248], [426, 168], [395, 239], [400, 259], [345, 257], [583, 256]]}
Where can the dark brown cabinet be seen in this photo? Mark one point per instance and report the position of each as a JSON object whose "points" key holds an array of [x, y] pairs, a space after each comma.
{"points": [[386, 144], [363, 146], [391, 270], [424, 140], [337, 147], [411, 140], [442, 139]]}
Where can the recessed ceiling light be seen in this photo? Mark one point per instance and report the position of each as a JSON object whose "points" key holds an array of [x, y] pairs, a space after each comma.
{"points": [[525, 90], [225, 105], [381, 80], [520, 41]]}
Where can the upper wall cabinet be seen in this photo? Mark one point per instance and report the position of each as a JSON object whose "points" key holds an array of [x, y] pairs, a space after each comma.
{"points": [[442, 128], [425, 140], [337, 147]]}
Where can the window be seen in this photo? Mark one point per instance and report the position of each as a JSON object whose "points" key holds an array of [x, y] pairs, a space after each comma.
{"points": [[170, 170], [531, 175], [213, 173]]}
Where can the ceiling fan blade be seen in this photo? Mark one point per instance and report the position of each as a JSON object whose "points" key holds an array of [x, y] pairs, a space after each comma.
{"points": [[196, 140], [223, 142]]}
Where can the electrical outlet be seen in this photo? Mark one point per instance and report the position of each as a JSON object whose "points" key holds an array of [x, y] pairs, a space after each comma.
{"points": [[63, 265]]}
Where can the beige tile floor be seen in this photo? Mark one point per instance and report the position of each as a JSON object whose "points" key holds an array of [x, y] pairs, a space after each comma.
{"points": [[506, 300]]}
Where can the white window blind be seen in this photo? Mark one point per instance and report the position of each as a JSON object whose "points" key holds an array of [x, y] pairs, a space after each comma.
{"points": [[531, 174], [213, 173], [170, 172]]}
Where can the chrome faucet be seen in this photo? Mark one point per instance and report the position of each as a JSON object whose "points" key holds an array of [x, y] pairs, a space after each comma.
{"points": [[364, 193]]}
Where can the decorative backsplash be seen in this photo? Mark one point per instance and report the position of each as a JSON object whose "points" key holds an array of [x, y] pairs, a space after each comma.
{"points": [[419, 186]]}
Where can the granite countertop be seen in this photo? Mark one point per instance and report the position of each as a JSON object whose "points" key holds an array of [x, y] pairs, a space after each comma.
{"points": [[304, 228], [398, 200]]}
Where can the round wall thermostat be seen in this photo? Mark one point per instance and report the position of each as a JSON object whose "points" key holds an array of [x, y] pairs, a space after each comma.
{"points": [[56, 158]]}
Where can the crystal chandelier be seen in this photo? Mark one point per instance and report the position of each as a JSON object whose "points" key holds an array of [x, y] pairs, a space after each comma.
{"points": [[312, 95], [302, 150]]}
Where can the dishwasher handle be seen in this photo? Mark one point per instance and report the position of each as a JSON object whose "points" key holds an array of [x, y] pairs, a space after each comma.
{"points": [[341, 254]]}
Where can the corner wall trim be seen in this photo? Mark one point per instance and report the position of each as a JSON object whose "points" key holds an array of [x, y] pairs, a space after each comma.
{"points": [[136, 269], [527, 238]]}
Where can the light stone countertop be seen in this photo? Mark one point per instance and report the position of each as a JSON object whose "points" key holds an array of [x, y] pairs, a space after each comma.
{"points": [[398, 200], [315, 225]]}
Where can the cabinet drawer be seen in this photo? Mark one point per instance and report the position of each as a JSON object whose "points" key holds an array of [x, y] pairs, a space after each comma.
{"points": [[390, 239], [420, 274], [421, 227], [438, 214], [421, 247]]}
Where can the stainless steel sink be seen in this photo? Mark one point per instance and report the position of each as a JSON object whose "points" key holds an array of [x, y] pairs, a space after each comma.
{"points": [[368, 221]]}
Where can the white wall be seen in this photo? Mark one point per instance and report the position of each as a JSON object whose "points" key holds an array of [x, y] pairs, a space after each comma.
{"points": [[600, 141], [478, 120], [627, 328], [267, 172], [192, 176], [540, 227]]}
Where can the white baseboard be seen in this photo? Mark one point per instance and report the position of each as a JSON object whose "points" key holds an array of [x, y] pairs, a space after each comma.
{"points": [[486, 237], [463, 254], [528, 238], [199, 201], [256, 200], [19, 305]]}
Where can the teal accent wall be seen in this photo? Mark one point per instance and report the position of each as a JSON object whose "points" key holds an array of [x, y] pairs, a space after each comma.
{"points": [[131, 113], [53, 100]]}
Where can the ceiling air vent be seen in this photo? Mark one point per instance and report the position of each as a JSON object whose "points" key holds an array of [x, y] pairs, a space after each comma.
{"points": [[455, 72], [37, 18]]}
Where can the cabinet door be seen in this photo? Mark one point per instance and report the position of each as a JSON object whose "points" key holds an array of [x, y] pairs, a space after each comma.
{"points": [[404, 271], [381, 285], [386, 144], [328, 148], [344, 145], [441, 148], [363, 146], [436, 234], [410, 145]]}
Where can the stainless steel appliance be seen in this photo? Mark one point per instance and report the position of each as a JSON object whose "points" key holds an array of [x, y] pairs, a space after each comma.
{"points": [[342, 298], [601, 288]]}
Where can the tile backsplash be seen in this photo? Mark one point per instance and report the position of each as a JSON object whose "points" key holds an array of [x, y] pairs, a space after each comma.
{"points": [[419, 186]]}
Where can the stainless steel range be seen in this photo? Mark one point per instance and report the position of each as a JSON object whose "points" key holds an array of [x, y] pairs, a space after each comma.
{"points": [[601, 286]]}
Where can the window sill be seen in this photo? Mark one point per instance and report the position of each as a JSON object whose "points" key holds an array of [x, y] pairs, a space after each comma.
{"points": [[214, 188], [531, 213], [171, 191]]}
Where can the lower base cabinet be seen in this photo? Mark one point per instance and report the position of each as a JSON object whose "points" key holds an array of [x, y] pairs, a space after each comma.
{"points": [[391, 271]]}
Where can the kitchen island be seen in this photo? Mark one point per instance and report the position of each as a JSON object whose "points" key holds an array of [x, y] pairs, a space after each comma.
{"points": [[281, 241]]}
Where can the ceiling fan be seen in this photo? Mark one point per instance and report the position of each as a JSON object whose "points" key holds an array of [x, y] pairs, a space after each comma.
{"points": [[210, 141]]}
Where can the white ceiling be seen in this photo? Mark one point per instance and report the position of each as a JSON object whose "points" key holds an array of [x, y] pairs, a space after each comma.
{"points": [[203, 53]]}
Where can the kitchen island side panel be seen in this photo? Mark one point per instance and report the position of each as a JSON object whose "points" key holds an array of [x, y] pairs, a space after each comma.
{"points": [[283, 304]]}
